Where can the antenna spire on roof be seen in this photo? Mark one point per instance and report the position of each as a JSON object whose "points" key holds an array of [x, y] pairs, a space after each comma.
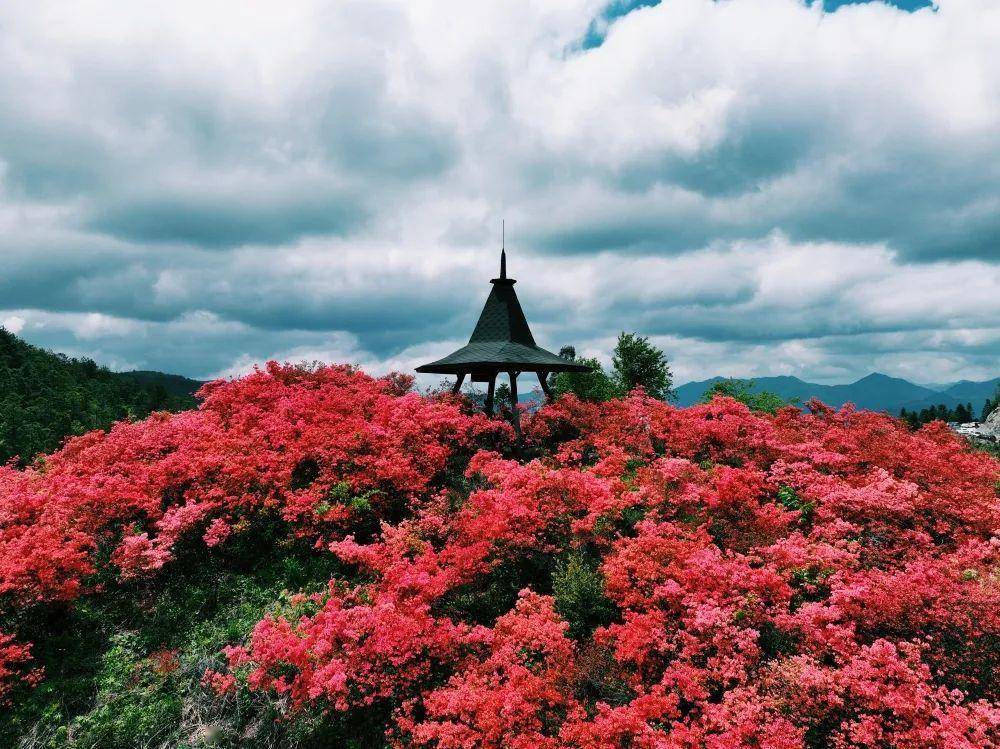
{"points": [[503, 251]]}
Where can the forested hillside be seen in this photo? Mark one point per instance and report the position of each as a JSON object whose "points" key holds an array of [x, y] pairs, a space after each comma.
{"points": [[44, 397]]}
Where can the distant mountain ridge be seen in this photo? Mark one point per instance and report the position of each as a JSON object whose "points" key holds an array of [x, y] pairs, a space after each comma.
{"points": [[876, 392]]}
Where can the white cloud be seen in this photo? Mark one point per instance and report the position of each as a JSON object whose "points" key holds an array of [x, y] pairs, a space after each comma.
{"points": [[14, 323], [761, 186]]}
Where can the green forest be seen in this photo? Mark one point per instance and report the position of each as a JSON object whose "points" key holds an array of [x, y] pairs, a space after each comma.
{"points": [[45, 397], [961, 413]]}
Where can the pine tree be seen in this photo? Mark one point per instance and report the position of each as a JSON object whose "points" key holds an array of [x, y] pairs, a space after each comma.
{"points": [[638, 363], [991, 404]]}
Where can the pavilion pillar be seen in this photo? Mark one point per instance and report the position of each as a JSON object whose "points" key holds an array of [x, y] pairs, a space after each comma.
{"points": [[515, 411], [490, 389], [543, 379], [458, 383]]}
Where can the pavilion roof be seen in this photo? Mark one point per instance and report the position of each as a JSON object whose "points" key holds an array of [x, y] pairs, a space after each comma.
{"points": [[502, 339]]}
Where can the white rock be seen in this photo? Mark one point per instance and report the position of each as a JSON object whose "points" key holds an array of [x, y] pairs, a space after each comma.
{"points": [[987, 430], [990, 429]]}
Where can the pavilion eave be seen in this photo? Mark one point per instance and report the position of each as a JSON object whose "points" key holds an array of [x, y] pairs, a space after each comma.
{"points": [[493, 367]]}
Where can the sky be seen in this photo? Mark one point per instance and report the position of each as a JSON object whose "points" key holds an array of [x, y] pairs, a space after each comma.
{"points": [[762, 187]]}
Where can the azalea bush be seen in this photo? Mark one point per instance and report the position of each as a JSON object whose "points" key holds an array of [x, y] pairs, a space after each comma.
{"points": [[318, 557]]}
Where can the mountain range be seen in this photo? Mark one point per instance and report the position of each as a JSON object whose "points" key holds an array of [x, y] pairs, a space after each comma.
{"points": [[877, 392]]}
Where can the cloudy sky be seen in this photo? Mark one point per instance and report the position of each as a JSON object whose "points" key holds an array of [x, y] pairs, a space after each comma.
{"points": [[761, 186]]}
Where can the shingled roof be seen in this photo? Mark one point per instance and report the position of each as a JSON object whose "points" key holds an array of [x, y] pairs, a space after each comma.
{"points": [[502, 340]]}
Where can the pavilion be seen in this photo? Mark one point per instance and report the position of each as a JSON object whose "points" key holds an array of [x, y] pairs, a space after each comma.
{"points": [[502, 342]]}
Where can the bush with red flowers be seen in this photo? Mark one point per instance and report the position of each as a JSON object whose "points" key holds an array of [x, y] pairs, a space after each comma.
{"points": [[632, 575]]}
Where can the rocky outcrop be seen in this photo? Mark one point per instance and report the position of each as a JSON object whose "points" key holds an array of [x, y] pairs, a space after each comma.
{"points": [[988, 430]]}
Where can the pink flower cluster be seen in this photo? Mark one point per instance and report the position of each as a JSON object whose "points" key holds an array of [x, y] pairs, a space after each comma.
{"points": [[287, 442], [808, 579]]}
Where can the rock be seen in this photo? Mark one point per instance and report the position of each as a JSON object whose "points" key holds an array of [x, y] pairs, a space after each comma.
{"points": [[990, 429], [970, 429]]}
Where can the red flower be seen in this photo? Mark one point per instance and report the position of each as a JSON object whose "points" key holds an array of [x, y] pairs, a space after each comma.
{"points": [[822, 578]]}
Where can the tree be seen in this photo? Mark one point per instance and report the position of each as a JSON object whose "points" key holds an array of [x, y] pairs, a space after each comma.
{"points": [[963, 413], [991, 404], [742, 390], [638, 363], [912, 418], [595, 385], [501, 397]]}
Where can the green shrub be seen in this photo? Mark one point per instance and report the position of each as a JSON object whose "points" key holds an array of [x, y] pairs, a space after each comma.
{"points": [[578, 588], [123, 670]]}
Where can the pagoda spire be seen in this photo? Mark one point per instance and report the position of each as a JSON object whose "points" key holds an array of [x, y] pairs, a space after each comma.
{"points": [[503, 249], [502, 279]]}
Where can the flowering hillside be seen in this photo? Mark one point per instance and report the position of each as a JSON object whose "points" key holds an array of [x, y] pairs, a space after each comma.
{"points": [[323, 558]]}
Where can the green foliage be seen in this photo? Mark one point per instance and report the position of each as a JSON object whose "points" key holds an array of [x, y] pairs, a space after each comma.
{"points": [[133, 699], [342, 493], [578, 589], [573, 580], [635, 363], [494, 594], [501, 397], [123, 670], [638, 363], [594, 385], [962, 413], [991, 405], [791, 500], [742, 390], [990, 448], [45, 397]]}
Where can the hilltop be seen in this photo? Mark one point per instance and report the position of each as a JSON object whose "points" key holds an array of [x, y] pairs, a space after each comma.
{"points": [[175, 385]]}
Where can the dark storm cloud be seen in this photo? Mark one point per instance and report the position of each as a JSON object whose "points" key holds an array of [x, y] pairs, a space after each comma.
{"points": [[953, 215], [744, 162], [927, 205], [50, 163], [639, 235], [130, 282], [68, 272], [241, 217], [384, 322], [928, 200], [757, 326]]}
